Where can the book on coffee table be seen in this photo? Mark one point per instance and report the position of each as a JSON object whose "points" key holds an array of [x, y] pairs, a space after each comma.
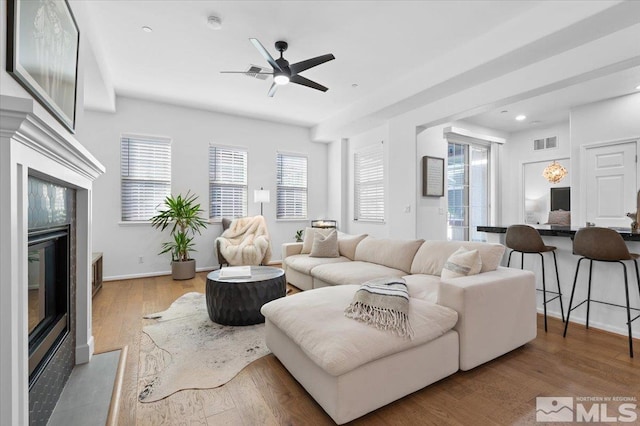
{"points": [[235, 272]]}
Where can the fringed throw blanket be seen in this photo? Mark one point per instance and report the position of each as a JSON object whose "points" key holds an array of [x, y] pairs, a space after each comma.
{"points": [[383, 303]]}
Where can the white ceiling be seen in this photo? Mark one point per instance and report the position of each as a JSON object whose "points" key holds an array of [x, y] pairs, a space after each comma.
{"points": [[379, 45], [554, 107]]}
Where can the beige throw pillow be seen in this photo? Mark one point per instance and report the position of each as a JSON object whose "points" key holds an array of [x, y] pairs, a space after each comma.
{"points": [[559, 217], [309, 233], [462, 263], [325, 246]]}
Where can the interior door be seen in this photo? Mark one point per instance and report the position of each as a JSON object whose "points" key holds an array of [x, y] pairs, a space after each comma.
{"points": [[611, 184]]}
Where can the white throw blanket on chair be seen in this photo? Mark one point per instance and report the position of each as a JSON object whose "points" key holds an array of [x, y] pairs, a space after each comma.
{"points": [[246, 242]]}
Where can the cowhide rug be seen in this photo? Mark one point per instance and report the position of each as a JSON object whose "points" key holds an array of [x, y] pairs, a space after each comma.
{"points": [[184, 349]]}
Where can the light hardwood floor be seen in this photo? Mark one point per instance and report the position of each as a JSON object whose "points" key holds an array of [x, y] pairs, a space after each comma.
{"points": [[503, 391]]}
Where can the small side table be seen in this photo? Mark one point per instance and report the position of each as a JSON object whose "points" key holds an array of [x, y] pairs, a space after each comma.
{"points": [[96, 272]]}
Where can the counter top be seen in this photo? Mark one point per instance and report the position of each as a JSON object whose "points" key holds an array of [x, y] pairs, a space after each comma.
{"points": [[559, 231]]}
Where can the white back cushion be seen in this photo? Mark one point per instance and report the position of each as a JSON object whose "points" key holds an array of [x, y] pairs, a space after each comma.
{"points": [[432, 255]]}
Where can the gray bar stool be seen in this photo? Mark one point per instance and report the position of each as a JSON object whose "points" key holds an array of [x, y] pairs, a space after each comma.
{"points": [[603, 245], [525, 239]]}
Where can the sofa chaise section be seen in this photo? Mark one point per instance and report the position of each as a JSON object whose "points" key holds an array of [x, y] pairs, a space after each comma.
{"points": [[351, 368]]}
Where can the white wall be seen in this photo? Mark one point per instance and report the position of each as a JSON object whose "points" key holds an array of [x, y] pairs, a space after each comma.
{"points": [[517, 151], [191, 131], [337, 182], [613, 119]]}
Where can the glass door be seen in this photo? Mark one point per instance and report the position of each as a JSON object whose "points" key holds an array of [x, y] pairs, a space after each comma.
{"points": [[467, 190]]}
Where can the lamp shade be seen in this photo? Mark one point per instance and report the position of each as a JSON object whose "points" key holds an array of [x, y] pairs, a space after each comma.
{"points": [[261, 196], [554, 172]]}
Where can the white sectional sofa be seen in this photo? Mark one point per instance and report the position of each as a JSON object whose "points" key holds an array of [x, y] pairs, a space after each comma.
{"points": [[351, 368]]}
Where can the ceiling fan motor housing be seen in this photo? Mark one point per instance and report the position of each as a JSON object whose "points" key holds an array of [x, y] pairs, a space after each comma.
{"points": [[281, 46]]}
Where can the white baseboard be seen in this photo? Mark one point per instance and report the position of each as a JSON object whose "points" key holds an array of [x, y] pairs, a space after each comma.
{"points": [[593, 324], [84, 352], [161, 273]]}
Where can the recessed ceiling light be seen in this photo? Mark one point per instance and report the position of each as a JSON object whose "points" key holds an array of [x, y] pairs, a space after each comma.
{"points": [[215, 23], [521, 117], [638, 87], [147, 29]]}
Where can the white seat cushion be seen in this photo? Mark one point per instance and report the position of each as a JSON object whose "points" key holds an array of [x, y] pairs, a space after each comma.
{"points": [[353, 272], [315, 321], [305, 263]]}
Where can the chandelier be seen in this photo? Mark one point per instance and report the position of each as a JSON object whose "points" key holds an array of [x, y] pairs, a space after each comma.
{"points": [[554, 172]]}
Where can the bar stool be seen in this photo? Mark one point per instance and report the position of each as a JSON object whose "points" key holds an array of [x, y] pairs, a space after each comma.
{"points": [[603, 245], [525, 239]]}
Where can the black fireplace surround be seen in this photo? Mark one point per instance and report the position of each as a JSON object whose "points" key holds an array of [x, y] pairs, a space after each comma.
{"points": [[51, 293]]}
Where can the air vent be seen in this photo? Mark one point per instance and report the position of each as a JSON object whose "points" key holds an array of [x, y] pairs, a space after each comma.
{"points": [[254, 71], [546, 143]]}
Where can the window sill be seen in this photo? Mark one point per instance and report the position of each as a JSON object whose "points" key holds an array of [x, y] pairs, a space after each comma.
{"points": [[292, 220], [134, 223], [378, 222]]}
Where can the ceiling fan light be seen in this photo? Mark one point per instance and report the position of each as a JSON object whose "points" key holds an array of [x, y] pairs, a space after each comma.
{"points": [[281, 79]]}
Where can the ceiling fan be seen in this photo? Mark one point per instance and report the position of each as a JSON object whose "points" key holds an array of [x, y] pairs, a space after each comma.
{"points": [[284, 73]]}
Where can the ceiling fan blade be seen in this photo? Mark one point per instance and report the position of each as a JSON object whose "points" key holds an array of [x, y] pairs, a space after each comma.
{"points": [[246, 72], [266, 54], [273, 89], [298, 79], [310, 63]]}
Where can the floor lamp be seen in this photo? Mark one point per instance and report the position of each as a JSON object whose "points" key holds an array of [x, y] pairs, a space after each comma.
{"points": [[261, 196]]}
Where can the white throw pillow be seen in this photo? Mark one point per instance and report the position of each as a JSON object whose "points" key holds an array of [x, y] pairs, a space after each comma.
{"points": [[325, 246], [307, 243], [462, 263]]}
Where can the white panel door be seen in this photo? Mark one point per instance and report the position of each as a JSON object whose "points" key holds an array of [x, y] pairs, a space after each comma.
{"points": [[611, 184]]}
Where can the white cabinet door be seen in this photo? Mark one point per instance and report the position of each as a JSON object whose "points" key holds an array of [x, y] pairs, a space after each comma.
{"points": [[611, 184]]}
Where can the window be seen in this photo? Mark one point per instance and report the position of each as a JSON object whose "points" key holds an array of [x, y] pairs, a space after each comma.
{"points": [[227, 182], [145, 173], [292, 186], [369, 183], [468, 190]]}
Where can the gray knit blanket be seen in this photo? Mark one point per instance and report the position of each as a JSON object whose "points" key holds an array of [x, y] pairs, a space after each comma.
{"points": [[383, 303]]}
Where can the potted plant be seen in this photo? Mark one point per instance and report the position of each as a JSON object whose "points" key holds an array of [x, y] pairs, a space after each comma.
{"points": [[182, 213], [298, 235]]}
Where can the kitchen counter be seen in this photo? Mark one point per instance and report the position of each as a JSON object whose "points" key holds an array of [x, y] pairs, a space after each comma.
{"points": [[559, 231]]}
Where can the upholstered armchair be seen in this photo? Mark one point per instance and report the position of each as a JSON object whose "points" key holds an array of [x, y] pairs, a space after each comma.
{"points": [[244, 241]]}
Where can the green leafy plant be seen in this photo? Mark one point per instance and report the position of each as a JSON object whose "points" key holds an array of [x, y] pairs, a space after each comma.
{"points": [[182, 214], [298, 235]]}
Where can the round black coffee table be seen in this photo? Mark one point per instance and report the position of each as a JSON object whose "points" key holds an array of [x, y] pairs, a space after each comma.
{"points": [[237, 301]]}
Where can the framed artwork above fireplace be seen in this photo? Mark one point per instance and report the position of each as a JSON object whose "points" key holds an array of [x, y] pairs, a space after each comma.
{"points": [[42, 54]]}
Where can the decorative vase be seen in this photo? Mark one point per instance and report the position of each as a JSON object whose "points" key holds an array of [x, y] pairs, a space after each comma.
{"points": [[184, 270]]}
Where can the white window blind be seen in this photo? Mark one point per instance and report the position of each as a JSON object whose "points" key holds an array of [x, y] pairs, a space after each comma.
{"points": [[292, 186], [369, 183], [227, 182], [145, 174]]}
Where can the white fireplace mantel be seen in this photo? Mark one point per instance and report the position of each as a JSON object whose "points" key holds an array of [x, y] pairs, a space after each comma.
{"points": [[31, 143]]}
